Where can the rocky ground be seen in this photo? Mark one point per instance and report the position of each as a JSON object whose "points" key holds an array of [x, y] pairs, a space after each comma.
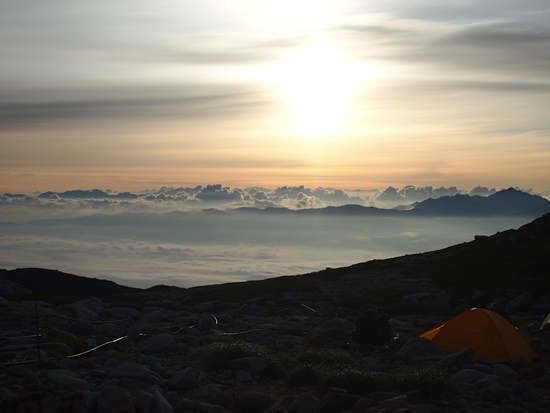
{"points": [[281, 345], [153, 353]]}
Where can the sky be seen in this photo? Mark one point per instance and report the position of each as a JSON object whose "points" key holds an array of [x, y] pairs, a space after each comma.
{"points": [[136, 94]]}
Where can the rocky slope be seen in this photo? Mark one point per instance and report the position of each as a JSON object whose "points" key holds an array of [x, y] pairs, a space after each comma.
{"points": [[282, 345]]}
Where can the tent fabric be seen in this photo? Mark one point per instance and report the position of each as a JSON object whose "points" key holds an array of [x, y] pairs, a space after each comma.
{"points": [[487, 333]]}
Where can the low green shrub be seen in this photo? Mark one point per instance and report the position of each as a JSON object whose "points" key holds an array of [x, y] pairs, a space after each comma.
{"points": [[327, 336], [360, 381], [223, 352], [323, 368]]}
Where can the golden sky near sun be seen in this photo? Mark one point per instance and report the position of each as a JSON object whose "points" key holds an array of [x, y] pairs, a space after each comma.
{"points": [[272, 93]]}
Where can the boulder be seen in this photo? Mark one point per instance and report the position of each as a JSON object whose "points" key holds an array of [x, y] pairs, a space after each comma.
{"points": [[160, 404], [161, 343], [86, 310], [521, 303], [185, 379], [253, 402], [305, 402], [67, 380], [249, 364], [337, 402], [137, 372], [115, 400]]}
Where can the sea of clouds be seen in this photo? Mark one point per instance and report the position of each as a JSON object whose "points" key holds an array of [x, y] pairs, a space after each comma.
{"points": [[198, 236]]}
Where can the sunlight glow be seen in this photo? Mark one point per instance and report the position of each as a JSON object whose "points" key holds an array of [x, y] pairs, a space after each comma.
{"points": [[318, 82]]}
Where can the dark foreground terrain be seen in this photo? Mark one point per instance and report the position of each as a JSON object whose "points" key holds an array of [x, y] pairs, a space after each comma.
{"points": [[279, 345]]}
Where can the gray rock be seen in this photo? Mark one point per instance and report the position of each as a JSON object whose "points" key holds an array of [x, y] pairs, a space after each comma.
{"points": [[395, 403], [51, 404], [206, 391], [443, 300], [252, 309], [212, 408], [290, 327], [33, 354], [115, 400], [338, 402], [243, 377], [153, 317], [521, 303], [206, 306], [416, 297], [507, 373], [458, 361], [67, 380], [305, 402], [253, 401], [161, 343], [28, 309], [185, 379], [289, 296], [86, 310], [160, 404], [90, 400], [203, 350], [469, 376], [484, 368], [382, 395], [372, 363], [206, 323], [83, 329], [55, 332], [4, 303], [362, 405], [492, 387], [422, 408], [136, 371], [341, 323], [119, 313], [143, 401]]}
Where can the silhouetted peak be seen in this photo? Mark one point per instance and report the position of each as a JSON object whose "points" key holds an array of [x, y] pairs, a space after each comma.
{"points": [[510, 192]]}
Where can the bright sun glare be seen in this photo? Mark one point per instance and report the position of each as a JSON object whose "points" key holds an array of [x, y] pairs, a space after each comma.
{"points": [[318, 82]]}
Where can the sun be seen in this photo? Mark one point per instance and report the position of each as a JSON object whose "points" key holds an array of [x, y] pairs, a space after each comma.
{"points": [[318, 82]]}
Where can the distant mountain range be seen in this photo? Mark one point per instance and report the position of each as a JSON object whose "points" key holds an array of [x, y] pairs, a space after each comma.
{"points": [[508, 202], [512, 259]]}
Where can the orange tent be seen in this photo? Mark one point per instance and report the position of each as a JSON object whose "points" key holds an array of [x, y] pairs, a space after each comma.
{"points": [[487, 333]]}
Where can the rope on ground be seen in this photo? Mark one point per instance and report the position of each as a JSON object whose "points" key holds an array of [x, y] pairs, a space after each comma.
{"points": [[97, 347]]}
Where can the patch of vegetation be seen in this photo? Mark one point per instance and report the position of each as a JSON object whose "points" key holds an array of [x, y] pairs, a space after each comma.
{"points": [[327, 336], [325, 368], [360, 381], [223, 352]]}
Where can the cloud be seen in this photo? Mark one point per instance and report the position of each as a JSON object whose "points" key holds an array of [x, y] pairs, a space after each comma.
{"points": [[505, 50], [217, 193], [125, 103]]}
